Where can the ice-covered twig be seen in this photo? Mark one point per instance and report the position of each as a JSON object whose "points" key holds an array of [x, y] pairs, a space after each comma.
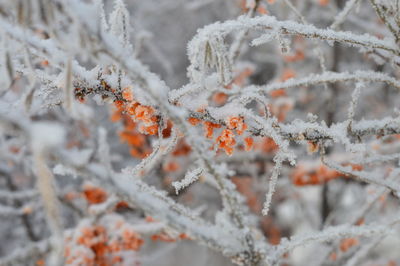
{"points": [[160, 206], [190, 177], [341, 16], [384, 17], [272, 185], [364, 176], [333, 233], [326, 77], [160, 149], [313, 79], [363, 251], [197, 47]]}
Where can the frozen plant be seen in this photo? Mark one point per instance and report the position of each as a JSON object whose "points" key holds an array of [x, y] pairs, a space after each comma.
{"points": [[280, 146]]}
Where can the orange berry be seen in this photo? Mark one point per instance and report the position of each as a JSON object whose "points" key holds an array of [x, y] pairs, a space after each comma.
{"points": [[248, 143], [220, 98], [127, 94], [226, 141], [171, 167], [193, 121], [323, 2], [288, 74], [347, 243], [238, 124], [277, 93], [94, 195], [209, 128]]}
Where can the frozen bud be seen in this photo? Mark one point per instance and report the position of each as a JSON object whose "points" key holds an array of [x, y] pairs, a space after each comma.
{"points": [[312, 117], [46, 135]]}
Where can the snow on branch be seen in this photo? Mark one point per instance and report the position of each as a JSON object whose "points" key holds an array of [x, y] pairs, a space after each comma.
{"points": [[313, 79], [333, 233], [327, 77], [199, 48], [161, 206], [366, 176]]}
